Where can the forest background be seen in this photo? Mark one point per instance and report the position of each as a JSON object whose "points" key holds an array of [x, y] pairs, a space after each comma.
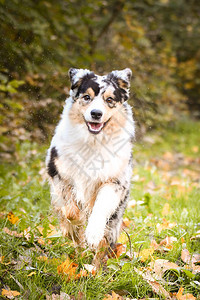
{"points": [[40, 40]]}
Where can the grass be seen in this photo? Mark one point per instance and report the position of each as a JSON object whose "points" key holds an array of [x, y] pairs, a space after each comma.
{"points": [[166, 170]]}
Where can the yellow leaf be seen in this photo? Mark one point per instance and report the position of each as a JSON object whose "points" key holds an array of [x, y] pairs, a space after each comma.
{"points": [[123, 239], [31, 274], [9, 294], [12, 218], [166, 209], [146, 254]]}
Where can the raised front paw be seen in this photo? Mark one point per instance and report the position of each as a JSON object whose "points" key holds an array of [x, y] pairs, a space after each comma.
{"points": [[94, 234]]}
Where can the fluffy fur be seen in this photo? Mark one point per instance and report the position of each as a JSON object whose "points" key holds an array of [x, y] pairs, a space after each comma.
{"points": [[89, 161]]}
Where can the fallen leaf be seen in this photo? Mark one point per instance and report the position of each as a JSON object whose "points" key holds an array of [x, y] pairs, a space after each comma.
{"points": [[114, 296], [31, 274], [118, 250], [146, 254], [180, 295], [10, 294], [126, 222], [42, 258], [12, 218], [68, 268], [159, 266], [165, 225], [189, 259], [12, 233], [166, 209], [168, 241], [27, 234], [195, 149], [62, 296], [90, 268], [123, 239], [2, 259], [156, 286]]}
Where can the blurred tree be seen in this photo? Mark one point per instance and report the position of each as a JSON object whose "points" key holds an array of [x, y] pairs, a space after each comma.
{"points": [[41, 39]]}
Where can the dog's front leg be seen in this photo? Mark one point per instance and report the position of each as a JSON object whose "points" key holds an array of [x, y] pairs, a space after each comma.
{"points": [[105, 205]]}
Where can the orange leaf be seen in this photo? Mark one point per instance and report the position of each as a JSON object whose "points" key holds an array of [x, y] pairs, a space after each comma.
{"points": [[67, 268], [114, 296], [10, 294], [126, 222], [180, 295], [12, 218], [1, 259]]}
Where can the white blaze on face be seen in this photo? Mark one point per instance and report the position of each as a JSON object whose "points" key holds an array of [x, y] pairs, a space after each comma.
{"points": [[98, 104]]}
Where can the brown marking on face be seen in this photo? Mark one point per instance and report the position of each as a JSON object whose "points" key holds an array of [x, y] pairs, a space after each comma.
{"points": [[122, 84], [118, 117], [108, 93], [90, 92], [77, 111]]}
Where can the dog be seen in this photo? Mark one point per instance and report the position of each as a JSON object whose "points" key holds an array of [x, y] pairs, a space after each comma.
{"points": [[89, 162]]}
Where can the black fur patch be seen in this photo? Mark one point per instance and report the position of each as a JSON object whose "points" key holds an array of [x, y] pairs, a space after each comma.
{"points": [[120, 208], [51, 168], [120, 93], [88, 82]]}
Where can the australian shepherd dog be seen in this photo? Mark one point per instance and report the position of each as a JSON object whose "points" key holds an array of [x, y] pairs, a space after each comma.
{"points": [[89, 162]]}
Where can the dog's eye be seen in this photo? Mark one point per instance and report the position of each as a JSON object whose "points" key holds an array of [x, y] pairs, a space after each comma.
{"points": [[86, 97], [109, 100]]}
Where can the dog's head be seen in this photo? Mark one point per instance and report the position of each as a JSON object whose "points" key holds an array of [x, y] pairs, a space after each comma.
{"points": [[97, 99]]}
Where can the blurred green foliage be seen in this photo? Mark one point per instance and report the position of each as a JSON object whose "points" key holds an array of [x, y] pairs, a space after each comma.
{"points": [[41, 39]]}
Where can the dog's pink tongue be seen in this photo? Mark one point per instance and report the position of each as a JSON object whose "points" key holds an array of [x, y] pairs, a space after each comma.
{"points": [[95, 126]]}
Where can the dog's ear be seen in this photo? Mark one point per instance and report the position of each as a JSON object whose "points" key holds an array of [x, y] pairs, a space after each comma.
{"points": [[76, 76], [123, 77]]}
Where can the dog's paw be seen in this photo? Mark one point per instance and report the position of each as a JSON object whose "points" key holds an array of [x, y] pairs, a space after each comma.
{"points": [[94, 234]]}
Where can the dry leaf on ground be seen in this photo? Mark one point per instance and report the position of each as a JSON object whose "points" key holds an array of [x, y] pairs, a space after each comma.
{"points": [[180, 295], [62, 296], [146, 254], [114, 296], [90, 268], [165, 225], [189, 259], [13, 233], [156, 286], [12, 218], [9, 294], [68, 268], [159, 266]]}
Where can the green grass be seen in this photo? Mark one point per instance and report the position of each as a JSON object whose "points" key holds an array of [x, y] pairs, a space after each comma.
{"points": [[158, 178]]}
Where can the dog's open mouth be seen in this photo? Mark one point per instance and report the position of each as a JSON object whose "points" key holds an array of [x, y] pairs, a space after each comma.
{"points": [[95, 127]]}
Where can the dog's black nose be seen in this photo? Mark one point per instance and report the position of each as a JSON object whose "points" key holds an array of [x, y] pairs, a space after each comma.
{"points": [[96, 114]]}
